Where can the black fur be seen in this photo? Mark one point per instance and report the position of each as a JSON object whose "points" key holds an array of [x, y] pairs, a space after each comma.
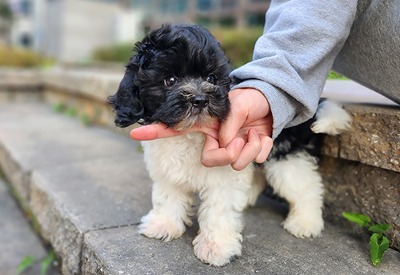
{"points": [[297, 139], [189, 54]]}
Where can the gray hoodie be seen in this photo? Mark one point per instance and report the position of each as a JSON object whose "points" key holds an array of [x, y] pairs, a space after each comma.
{"points": [[294, 55]]}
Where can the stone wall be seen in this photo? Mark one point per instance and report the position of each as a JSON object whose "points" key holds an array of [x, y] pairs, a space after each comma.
{"points": [[361, 168]]}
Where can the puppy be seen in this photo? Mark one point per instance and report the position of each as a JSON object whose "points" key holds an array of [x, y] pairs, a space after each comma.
{"points": [[179, 77]]}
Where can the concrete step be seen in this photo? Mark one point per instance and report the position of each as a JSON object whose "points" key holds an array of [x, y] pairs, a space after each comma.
{"points": [[18, 239], [88, 188]]}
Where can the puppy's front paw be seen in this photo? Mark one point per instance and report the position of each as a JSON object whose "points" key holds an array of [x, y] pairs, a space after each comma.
{"points": [[160, 227], [217, 251], [304, 225]]}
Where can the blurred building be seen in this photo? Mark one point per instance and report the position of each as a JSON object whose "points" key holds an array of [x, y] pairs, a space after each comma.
{"points": [[237, 13], [21, 29], [70, 30], [5, 22]]}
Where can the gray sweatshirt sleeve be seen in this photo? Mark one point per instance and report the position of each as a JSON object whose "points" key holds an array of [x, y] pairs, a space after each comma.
{"points": [[294, 55]]}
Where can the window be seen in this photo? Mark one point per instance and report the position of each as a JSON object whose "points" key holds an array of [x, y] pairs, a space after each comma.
{"points": [[204, 5], [228, 3], [26, 7]]}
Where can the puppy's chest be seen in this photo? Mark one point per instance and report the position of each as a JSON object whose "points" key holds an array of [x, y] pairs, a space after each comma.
{"points": [[176, 158]]}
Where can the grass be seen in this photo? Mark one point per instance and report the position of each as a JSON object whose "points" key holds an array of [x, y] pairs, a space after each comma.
{"points": [[11, 57], [85, 119], [336, 76], [29, 261]]}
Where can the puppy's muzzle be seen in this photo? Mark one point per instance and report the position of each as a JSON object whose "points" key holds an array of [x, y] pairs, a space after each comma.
{"points": [[196, 94], [199, 101]]}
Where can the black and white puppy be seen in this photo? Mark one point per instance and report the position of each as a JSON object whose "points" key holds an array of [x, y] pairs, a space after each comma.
{"points": [[179, 77]]}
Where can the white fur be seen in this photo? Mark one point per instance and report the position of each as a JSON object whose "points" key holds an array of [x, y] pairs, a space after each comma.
{"points": [[332, 119], [175, 167], [297, 180], [257, 186]]}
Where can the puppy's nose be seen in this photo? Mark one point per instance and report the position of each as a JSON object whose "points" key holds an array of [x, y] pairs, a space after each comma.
{"points": [[199, 101]]}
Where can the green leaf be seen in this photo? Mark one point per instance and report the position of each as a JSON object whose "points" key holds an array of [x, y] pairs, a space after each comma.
{"points": [[359, 219], [47, 261], [378, 244], [25, 263], [380, 228]]}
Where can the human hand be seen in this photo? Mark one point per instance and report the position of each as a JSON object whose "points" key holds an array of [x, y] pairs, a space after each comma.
{"points": [[242, 138], [245, 136]]}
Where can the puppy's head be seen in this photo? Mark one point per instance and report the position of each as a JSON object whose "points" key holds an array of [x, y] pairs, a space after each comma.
{"points": [[178, 76]]}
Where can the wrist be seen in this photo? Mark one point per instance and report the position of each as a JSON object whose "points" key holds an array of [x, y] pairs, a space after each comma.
{"points": [[256, 102]]}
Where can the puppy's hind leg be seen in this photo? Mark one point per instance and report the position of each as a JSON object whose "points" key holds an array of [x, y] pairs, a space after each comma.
{"points": [[297, 180], [172, 209]]}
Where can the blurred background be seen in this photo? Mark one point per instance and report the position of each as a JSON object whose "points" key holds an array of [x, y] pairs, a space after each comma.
{"points": [[42, 33]]}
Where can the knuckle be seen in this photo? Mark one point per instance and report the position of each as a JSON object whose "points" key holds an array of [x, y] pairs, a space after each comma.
{"points": [[230, 157], [205, 160], [237, 166], [254, 149], [260, 159], [257, 145]]}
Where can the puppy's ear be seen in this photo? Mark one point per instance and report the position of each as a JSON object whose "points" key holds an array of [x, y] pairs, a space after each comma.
{"points": [[126, 102]]}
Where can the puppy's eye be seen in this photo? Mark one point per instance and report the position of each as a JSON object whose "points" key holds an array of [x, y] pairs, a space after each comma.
{"points": [[170, 81], [211, 78]]}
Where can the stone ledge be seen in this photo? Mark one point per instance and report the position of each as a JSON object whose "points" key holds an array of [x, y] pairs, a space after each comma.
{"points": [[96, 86], [361, 168], [10, 78], [374, 138], [85, 92]]}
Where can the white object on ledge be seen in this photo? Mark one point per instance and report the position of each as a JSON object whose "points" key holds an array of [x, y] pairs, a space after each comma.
{"points": [[352, 92]]}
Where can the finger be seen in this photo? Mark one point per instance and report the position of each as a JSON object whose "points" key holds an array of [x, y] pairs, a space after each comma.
{"points": [[213, 155], [266, 143], [250, 151], [230, 127], [154, 131], [160, 130]]}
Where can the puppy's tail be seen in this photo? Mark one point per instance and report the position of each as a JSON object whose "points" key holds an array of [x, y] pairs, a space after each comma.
{"points": [[331, 119]]}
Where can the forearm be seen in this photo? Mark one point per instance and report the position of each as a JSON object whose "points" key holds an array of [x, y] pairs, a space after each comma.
{"points": [[292, 58]]}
